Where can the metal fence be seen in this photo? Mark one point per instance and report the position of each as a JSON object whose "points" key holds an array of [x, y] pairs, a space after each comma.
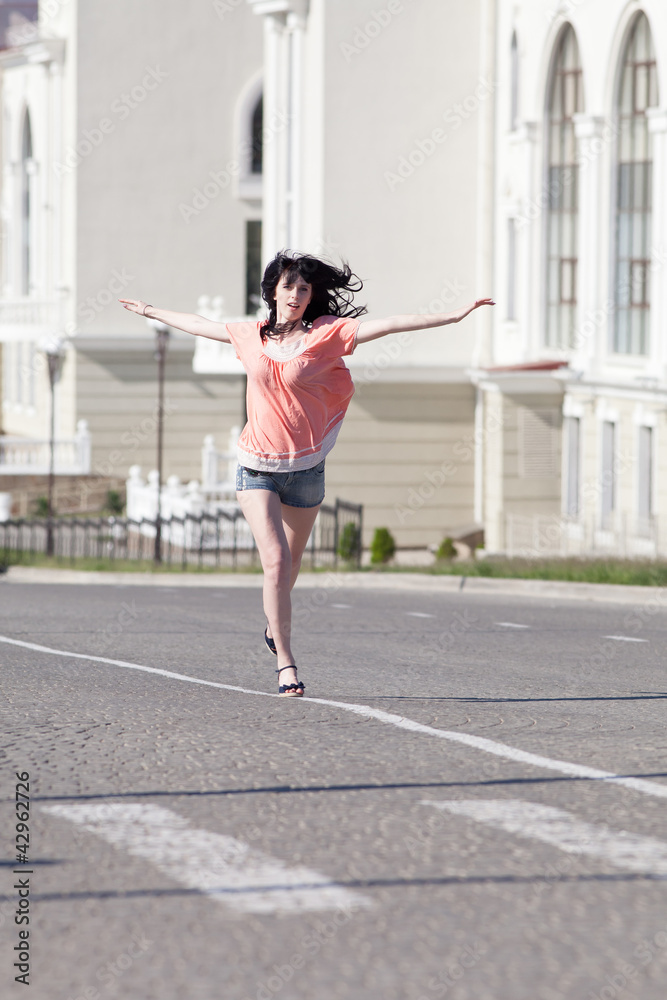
{"points": [[222, 539]]}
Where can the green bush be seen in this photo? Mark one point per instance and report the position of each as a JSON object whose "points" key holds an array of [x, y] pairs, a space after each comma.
{"points": [[42, 507], [383, 546], [349, 543], [446, 550], [114, 503]]}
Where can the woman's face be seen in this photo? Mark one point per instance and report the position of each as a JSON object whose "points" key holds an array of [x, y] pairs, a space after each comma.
{"points": [[292, 296]]}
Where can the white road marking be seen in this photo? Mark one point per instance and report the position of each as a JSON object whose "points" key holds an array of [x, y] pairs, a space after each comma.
{"points": [[624, 638], [219, 866], [467, 739], [341, 605], [556, 826], [419, 614], [510, 625]]}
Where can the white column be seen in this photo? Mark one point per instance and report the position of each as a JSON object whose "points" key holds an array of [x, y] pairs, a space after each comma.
{"points": [[275, 111], [478, 501], [296, 24], [657, 123], [284, 29], [592, 320]]}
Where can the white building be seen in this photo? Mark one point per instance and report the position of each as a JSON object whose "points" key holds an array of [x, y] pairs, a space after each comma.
{"points": [[576, 421], [448, 151]]}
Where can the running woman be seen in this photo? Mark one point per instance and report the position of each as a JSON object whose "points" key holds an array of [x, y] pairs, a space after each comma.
{"points": [[299, 389]]}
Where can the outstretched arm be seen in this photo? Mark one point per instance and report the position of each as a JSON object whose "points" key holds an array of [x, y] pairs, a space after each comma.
{"points": [[189, 322], [373, 328]]}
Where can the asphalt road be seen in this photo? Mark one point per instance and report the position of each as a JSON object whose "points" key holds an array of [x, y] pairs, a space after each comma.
{"points": [[421, 825]]}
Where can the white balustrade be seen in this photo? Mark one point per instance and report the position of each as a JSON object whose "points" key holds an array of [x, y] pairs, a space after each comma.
{"points": [[186, 503], [219, 467], [30, 456]]}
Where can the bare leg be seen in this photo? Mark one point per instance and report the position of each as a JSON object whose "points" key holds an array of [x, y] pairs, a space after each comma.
{"points": [[275, 539], [298, 523]]}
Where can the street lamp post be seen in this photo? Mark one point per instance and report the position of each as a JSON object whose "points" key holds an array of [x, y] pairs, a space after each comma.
{"points": [[161, 341], [55, 355]]}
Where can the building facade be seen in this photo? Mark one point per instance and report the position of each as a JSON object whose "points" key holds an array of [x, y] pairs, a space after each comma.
{"points": [[448, 152], [575, 445]]}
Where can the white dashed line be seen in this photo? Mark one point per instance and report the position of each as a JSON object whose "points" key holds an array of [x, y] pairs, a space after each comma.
{"points": [[624, 638], [419, 614], [467, 739], [630, 851], [341, 605], [510, 625], [222, 867]]}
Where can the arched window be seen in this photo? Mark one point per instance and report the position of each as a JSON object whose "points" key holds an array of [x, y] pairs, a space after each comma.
{"points": [[637, 91], [257, 138], [565, 100], [26, 206], [514, 83]]}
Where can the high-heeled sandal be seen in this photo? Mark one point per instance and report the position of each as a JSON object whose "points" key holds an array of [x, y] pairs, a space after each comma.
{"points": [[293, 690], [269, 642]]}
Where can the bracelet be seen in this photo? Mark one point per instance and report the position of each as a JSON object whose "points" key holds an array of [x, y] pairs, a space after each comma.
{"points": [[145, 308]]}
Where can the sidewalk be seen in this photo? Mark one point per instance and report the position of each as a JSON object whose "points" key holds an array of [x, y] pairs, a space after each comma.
{"points": [[483, 586]]}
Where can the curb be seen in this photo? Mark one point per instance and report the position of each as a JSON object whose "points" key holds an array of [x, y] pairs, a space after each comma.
{"points": [[475, 585]]}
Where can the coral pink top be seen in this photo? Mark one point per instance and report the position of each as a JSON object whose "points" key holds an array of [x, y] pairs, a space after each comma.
{"points": [[297, 395]]}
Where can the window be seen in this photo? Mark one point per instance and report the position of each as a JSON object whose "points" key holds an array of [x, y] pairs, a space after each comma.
{"points": [[608, 480], [565, 100], [645, 480], [638, 91], [572, 445], [253, 266], [18, 22], [538, 443], [257, 138], [26, 207], [250, 138]]}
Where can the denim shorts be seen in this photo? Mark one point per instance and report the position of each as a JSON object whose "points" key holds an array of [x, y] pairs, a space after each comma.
{"points": [[304, 488]]}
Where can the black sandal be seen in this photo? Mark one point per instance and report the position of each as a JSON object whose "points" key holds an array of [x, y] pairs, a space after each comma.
{"points": [[293, 690], [269, 642]]}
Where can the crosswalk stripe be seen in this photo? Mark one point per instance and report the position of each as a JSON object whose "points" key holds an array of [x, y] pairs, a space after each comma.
{"points": [[624, 638], [219, 866], [630, 851]]}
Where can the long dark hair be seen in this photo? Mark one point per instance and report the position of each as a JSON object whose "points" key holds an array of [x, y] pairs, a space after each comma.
{"points": [[333, 289]]}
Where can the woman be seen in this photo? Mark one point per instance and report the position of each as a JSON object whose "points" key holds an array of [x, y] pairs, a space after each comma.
{"points": [[299, 389]]}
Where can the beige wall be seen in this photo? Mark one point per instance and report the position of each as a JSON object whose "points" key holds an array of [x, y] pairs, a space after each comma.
{"points": [[131, 186], [117, 394], [406, 453], [510, 484]]}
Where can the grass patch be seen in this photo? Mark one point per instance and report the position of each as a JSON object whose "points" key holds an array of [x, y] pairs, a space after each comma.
{"points": [[630, 572], [103, 565]]}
